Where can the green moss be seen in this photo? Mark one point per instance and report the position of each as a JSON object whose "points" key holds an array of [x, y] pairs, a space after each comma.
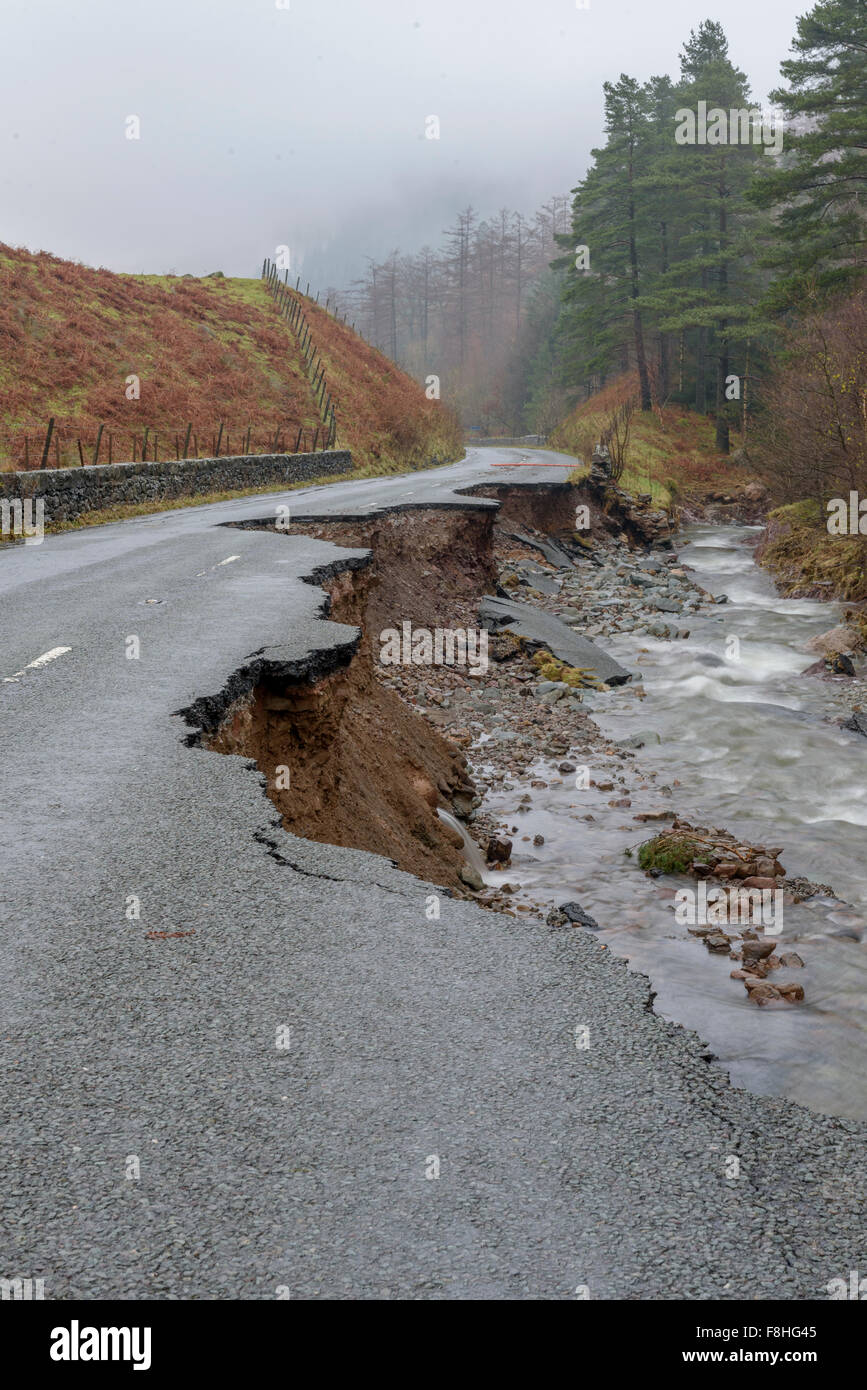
{"points": [[671, 854], [806, 513]]}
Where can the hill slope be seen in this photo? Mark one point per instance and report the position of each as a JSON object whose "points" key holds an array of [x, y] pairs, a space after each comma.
{"points": [[671, 451], [206, 353]]}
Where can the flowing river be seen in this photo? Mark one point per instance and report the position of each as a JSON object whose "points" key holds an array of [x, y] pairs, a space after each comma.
{"points": [[746, 743]]}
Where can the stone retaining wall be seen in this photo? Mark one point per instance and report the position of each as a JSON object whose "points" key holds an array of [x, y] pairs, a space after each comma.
{"points": [[67, 493]]}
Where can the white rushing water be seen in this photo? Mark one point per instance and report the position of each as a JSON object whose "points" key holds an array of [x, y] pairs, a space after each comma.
{"points": [[746, 743]]}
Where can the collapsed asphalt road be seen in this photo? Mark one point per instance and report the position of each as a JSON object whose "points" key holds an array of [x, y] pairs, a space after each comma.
{"points": [[247, 1090]]}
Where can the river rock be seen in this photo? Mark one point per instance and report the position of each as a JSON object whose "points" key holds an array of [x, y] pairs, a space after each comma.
{"points": [[762, 992], [574, 913], [857, 723], [768, 868], [757, 950], [842, 638], [498, 851], [471, 877], [794, 993], [753, 492], [840, 664], [792, 961], [718, 942]]}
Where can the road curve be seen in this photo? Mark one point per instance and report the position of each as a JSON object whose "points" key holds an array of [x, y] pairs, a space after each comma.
{"points": [[157, 1143]]}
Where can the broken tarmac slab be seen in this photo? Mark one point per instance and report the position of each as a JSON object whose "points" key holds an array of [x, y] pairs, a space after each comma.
{"points": [[552, 550], [543, 630], [534, 578]]}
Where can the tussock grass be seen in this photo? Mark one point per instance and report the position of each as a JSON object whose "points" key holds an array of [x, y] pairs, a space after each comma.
{"points": [[802, 555]]}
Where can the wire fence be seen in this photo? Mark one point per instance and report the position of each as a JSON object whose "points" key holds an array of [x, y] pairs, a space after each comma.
{"points": [[57, 447], [290, 304]]}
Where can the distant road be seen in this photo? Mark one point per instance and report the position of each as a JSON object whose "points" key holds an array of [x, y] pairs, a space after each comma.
{"points": [[303, 1171]]}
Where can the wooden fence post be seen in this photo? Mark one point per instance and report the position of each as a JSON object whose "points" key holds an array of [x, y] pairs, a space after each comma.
{"points": [[97, 444], [187, 440], [49, 432]]}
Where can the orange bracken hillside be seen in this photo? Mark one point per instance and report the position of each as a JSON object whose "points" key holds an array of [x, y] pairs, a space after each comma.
{"points": [[206, 353]]}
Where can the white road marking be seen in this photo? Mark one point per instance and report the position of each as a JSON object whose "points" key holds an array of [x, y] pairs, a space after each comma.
{"points": [[228, 560], [38, 663]]}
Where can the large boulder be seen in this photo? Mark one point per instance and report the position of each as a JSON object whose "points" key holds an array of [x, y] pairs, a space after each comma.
{"points": [[842, 638]]}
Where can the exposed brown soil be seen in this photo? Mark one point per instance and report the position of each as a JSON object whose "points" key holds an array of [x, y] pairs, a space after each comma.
{"points": [[425, 562], [550, 507], [365, 770]]}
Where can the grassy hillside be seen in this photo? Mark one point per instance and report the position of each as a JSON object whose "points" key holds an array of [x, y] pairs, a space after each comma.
{"points": [[206, 352], [671, 452]]}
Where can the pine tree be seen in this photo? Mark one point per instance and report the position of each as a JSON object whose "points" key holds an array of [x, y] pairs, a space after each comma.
{"points": [[607, 219], [820, 185], [707, 288]]}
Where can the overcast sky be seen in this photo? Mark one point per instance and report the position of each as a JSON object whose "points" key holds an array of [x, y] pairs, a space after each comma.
{"points": [[305, 125]]}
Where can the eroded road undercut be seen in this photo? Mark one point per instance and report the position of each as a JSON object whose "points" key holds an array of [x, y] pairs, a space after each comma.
{"points": [[345, 759]]}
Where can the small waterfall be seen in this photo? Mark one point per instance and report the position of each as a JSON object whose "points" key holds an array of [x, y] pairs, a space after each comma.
{"points": [[472, 853]]}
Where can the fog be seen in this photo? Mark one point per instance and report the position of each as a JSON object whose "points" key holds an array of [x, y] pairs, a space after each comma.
{"points": [[302, 122]]}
